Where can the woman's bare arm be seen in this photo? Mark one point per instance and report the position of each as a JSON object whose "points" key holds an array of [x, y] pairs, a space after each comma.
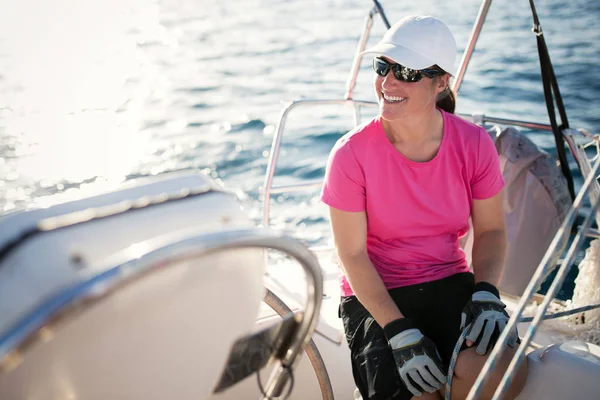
{"points": [[489, 239], [350, 235]]}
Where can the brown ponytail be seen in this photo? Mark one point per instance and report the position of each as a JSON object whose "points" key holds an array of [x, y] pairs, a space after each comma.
{"points": [[446, 100]]}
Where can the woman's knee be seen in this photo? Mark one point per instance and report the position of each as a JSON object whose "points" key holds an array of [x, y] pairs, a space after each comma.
{"points": [[469, 364]]}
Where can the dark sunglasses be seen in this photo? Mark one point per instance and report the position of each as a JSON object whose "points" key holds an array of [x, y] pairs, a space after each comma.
{"points": [[402, 73]]}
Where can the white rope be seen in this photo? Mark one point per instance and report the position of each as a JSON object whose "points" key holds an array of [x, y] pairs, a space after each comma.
{"points": [[453, 359]]}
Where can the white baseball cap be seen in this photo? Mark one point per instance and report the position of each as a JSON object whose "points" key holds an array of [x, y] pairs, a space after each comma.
{"points": [[418, 42]]}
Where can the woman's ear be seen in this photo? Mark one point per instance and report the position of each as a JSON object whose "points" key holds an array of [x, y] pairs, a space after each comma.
{"points": [[442, 83]]}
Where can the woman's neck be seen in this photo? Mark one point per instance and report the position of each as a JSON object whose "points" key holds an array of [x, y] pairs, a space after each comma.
{"points": [[417, 129]]}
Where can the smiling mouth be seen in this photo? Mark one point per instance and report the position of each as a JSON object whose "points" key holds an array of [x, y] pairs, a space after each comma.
{"points": [[392, 99]]}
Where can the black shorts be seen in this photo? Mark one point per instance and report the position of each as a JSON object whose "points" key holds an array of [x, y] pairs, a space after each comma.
{"points": [[435, 307]]}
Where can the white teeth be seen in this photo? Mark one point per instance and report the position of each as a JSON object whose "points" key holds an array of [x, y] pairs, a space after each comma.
{"points": [[393, 99]]}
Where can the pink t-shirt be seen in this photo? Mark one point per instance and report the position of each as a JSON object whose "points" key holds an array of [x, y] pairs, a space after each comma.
{"points": [[417, 212]]}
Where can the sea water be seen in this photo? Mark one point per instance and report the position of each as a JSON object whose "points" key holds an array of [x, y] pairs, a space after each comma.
{"points": [[94, 93]]}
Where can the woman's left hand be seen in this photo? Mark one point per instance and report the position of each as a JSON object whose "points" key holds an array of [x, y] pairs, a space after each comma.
{"points": [[485, 312]]}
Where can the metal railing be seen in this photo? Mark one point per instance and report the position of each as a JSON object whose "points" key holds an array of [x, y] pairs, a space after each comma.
{"points": [[268, 188], [464, 62]]}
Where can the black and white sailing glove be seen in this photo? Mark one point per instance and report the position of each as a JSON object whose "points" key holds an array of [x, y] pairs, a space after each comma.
{"points": [[416, 356], [486, 312]]}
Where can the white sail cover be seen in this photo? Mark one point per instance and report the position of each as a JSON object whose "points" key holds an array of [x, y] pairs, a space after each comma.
{"points": [[536, 201]]}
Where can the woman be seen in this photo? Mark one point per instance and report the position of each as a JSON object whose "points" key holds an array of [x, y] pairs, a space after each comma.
{"points": [[401, 189]]}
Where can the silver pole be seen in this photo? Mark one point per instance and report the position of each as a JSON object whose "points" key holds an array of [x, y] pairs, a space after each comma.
{"points": [[272, 164], [362, 42], [511, 122], [356, 114], [483, 10]]}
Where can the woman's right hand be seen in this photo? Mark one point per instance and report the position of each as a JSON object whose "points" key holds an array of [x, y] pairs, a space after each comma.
{"points": [[416, 356]]}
